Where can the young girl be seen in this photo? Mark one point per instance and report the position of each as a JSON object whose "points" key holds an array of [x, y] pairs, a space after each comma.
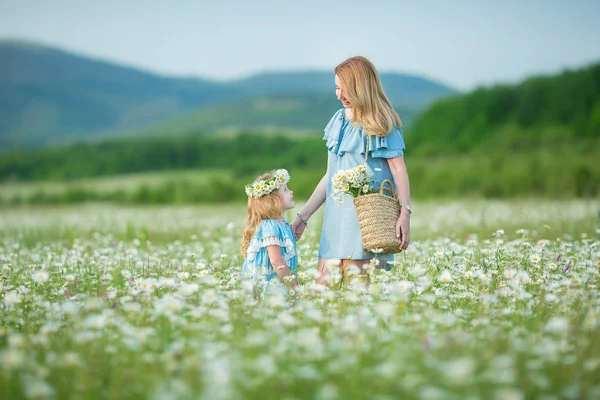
{"points": [[268, 243]]}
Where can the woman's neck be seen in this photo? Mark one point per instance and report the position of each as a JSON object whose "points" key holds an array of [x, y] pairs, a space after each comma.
{"points": [[349, 113]]}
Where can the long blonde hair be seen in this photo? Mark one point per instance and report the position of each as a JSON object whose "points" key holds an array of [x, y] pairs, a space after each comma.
{"points": [[371, 109], [266, 207]]}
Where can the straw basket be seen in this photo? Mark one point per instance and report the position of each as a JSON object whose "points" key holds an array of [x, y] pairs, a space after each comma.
{"points": [[377, 216]]}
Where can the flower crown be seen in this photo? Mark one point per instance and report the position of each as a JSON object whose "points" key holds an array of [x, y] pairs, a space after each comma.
{"points": [[263, 187]]}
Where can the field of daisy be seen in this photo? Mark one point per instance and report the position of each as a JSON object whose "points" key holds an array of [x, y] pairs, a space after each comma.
{"points": [[493, 300]]}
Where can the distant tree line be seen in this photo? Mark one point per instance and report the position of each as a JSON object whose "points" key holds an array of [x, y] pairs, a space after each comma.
{"points": [[247, 154], [538, 112], [566, 172]]}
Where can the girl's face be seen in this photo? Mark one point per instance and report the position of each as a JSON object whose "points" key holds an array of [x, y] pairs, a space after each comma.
{"points": [[287, 197], [339, 93]]}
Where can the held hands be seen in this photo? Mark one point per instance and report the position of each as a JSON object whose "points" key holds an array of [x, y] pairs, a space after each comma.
{"points": [[403, 229], [298, 227]]}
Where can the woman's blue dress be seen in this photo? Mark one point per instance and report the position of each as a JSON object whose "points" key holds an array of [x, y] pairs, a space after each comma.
{"points": [[340, 236]]}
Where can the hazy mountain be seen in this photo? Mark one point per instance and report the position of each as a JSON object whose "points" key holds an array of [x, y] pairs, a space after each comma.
{"points": [[408, 91], [310, 111], [49, 95]]}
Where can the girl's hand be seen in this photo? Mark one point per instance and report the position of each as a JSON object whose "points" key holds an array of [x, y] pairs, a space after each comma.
{"points": [[403, 229], [298, 227]]}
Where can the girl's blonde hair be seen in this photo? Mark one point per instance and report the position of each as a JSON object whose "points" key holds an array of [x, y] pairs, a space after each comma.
{"points": [[266, 207], [371, 109]]}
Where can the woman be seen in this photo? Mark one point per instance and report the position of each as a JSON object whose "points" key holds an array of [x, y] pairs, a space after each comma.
{"points": [[366, 124]]}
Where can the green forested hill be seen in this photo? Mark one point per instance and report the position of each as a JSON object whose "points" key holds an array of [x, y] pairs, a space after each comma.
{"points": [[553, 111], [50, 96]]}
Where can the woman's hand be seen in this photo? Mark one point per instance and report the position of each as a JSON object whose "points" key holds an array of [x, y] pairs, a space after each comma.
{"points": [[403, 229], [298, 227], [315, 201], [398, 169]]}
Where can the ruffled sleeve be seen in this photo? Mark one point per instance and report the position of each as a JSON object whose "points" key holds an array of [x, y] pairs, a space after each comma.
{"points": [[271, 233], [343, 137], [389, 146], [333, 131]]}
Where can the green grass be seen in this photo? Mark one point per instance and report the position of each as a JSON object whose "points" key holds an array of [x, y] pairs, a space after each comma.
{"points": [[126, 183], [454, 219], [102, 301]]}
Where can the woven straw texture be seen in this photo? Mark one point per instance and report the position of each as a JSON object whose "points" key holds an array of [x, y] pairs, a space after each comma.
{"points": [[377, 216]]}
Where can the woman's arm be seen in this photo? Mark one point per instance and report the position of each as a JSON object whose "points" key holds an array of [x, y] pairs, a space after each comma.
{"points": [[398, 169], [317, 198], [280, 267]]}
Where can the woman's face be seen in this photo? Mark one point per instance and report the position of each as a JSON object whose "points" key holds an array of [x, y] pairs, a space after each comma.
{"points": [[340, 93]]}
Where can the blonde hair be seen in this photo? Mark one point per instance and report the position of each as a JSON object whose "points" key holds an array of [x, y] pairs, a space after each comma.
{"points": [[371, 109], [266, 207]]}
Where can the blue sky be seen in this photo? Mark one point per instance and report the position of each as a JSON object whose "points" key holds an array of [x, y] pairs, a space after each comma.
{"points": [[461, 43]]}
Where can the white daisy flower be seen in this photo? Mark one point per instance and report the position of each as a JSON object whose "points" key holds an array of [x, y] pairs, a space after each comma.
{"points": [[41, 276]]}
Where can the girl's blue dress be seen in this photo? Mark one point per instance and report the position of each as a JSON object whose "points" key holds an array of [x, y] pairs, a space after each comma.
{"points": [[340, 236], [257, 265]]}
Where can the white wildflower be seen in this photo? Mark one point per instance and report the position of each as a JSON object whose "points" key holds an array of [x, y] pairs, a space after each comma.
{"points": [[41, 276], [11, 359], [445, 277]]}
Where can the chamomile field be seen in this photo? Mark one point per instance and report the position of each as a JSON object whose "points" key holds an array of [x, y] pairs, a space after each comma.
{"points": [[493, 300]]}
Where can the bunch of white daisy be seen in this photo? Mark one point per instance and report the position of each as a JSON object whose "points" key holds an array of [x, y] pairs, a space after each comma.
{"points": [[354, 181]]}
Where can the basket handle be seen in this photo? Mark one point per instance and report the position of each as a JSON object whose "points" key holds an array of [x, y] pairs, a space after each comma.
{"points": [[390, 190]]}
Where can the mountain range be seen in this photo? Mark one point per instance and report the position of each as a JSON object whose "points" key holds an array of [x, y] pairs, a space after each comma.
{"points": [[50, 96]]}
